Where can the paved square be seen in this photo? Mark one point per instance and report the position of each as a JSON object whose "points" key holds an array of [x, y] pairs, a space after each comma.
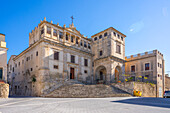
{"points": [[85, 105]]}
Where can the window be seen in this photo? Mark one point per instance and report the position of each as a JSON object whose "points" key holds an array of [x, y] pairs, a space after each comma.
{"points": [[85, 71], [147, 76], [15, 65], [56, 55], [85, 45], [100, 36], [31, 69], [105, 34], [55, 66], [61, 35], [19, 63], [42, 30], [13, 69], [81, 43], [118, 49], [89, 46], [1, 73], [133, 68], [37, 53], [66, 36], [101, 53], [122, 38], [95, 38], [118, 36], [72, 59], [54, 32], [85, 62], [48, 30], [77, 41], [114, 33], [72, 39], [158, 64], [147, 66]]}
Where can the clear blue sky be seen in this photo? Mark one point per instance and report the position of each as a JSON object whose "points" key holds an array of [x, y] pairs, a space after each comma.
{"points": [[145, 22]]}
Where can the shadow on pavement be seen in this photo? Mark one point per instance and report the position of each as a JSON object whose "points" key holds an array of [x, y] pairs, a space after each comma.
{"points": [[154, 102]]}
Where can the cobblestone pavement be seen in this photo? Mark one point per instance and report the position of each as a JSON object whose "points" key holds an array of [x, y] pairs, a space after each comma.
{"points": [[85, 105]]}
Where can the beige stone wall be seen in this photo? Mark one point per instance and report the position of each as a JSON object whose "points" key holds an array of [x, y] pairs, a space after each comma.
{"points": [[4, 90], [167, 83], [155, 72], [148, 90]]}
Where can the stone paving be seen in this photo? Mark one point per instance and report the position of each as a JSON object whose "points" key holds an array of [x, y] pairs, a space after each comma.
{"points": [[85, 105]]}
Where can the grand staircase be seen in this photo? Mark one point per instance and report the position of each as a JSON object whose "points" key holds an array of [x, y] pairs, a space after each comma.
{"points": [[78, 90]]}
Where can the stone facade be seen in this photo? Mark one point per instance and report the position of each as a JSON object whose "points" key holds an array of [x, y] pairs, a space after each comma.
{"points": [[4, 90], [3, 58], [147, 89], [58, 54], [167, 83], [147, 67]]}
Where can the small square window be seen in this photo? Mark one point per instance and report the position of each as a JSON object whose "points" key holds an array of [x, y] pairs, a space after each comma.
{"points": [[85, 71], [72, 39], [114, 33], [55, 66], [118, 36], [95, 38], [105, 34]]}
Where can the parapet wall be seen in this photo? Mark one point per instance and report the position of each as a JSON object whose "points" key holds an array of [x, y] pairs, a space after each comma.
{"points": [[4, 90], [148, 90]]}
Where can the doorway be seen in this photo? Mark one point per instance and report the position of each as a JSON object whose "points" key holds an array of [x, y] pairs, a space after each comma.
{"points": [[71, 73]]}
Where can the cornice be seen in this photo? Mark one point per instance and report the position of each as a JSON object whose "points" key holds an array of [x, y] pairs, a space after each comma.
{"points": [[108, 29]]}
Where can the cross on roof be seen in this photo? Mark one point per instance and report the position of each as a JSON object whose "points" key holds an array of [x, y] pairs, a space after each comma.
{"points": [[72, 18]]}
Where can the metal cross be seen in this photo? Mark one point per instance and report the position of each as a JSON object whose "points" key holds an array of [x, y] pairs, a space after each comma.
{"points": [[72, 18]]}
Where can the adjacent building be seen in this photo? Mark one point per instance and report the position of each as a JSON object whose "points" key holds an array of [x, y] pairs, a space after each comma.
{"points": [[147, 67], [3, 58], [57, 54]]}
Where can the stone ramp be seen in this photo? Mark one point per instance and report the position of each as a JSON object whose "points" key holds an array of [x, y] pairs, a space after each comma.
{"points": [[86, 91]]}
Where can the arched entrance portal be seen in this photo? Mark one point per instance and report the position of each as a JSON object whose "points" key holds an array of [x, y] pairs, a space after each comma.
{"points": [[100, 74], [118, 72]]}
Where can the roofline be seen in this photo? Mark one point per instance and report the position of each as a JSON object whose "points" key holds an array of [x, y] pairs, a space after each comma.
{"points": [[89, 39], [2, 34], [108, 29]]}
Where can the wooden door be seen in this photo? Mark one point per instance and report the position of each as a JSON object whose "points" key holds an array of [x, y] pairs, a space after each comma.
{"points": [[71, 73]]}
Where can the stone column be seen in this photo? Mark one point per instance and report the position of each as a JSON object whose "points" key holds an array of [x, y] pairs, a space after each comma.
{"points": [[58, 35], [51, 32], [45, 30], [64, 37]]}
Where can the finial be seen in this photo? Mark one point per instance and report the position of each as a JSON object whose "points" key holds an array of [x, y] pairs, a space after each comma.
{"points": [[51, 21], [57, 24], [40, 20], [72, 19], [64, 26], [44, 18]]}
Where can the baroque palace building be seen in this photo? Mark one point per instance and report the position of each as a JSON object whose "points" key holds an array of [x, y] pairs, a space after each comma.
{"points": [[57, 54]]}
